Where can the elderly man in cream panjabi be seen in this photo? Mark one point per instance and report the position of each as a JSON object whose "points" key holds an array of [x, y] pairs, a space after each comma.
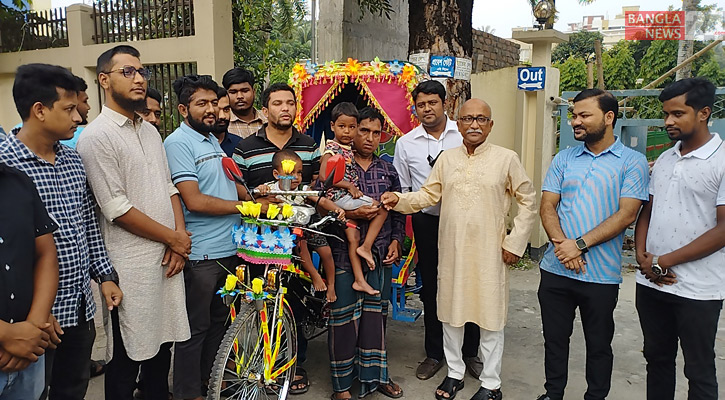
{"points": [[475, 184]]}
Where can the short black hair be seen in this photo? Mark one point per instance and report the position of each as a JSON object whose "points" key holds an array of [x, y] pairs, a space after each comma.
{"points": [[371, 113], [607, 101], [221, 92], [429, 87], [105, 60], [284, 154], [38, 83], [276, 87], [699, 93], [154, 94], [82, 86], [237, 75], [344, 108], [186, 86]]}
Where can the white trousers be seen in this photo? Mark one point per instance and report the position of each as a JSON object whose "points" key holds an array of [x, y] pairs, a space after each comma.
{"points": [[490, 350]]}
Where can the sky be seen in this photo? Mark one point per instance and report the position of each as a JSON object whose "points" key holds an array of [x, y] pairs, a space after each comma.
{"points": [[504, 15]]}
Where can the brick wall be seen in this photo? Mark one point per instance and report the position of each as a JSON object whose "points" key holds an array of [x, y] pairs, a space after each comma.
{"points": [[492, 52]]}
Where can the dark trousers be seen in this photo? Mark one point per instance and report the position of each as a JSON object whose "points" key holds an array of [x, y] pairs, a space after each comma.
{"points": [[121, 373], [425, 229], [68, 368], [666, 318], [559, 297], [208, 315]]}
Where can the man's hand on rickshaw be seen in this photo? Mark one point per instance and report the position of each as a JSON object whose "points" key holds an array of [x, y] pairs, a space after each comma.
{"points": [[173, 261], [394, 252], [180, 242], [262, 189], [340, 214], [363, 213], [389, 200]]}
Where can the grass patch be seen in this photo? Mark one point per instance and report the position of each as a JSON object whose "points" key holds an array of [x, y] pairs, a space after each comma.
{"points": [[525, 263]]}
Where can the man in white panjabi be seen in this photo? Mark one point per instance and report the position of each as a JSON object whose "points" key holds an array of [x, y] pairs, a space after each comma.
{"points": [[143, 227], [475, 185]]}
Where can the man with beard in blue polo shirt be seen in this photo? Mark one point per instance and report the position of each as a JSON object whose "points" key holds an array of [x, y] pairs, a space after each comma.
{"points": [[209, 201]]}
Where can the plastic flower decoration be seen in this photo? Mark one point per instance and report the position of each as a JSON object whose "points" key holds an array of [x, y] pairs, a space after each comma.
{"points": [[257, 285], [237, 233], [395, 67], [378, 67], [311, 68], [329, 68], [299, 71], [287, 211], [353, 66], [408, 73], [269, 240], [255, 209], [286, 239], [231, 283], [250, 235], [272, 211], [288, 166]]}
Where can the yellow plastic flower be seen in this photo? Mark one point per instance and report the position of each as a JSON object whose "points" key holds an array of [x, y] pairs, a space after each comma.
{"points": [[257, 285], [272, 210], [299, 71], [240, 208], [288, 166], [408, 73], [353, 66], [286, 211], [231, 283]]}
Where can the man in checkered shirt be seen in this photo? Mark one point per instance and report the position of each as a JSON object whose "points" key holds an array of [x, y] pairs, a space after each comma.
{"points": [[46, 98]]}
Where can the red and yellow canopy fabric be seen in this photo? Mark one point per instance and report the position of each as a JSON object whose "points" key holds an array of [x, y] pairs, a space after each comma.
{"points": [[386, 85]]}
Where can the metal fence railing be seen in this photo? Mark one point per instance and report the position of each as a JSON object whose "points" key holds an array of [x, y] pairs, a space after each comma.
{"points": [[163, 76], [129, 20], [32, 30]]}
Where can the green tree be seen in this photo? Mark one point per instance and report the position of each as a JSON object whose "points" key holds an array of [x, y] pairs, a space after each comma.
{"points": [[573, 74], [580, 44], [659, 58], [711, 70], [619, 67]]}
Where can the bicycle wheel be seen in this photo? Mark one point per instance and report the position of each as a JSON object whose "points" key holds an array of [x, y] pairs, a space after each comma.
{"points": [[238, 370]]}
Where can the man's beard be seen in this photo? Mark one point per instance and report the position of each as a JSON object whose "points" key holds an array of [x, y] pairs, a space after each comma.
{"points": [[126, 103], [221, 126], [281, 127], [200, 126], [594, 136], [84, 121]]}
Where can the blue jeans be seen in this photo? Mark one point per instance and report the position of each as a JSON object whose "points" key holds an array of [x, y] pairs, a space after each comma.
{"points": [[27, 384]]}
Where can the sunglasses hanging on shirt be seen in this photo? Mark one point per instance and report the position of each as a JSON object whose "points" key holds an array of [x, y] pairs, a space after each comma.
{"points": [[432, 161]]}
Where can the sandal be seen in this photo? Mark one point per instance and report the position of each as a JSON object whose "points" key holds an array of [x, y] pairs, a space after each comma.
{"points": [[389, 389], [303, 381], [451, 387], [97, 368], [332, 397]]}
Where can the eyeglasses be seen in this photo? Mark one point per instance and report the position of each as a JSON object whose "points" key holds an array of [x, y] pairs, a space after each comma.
{"points": [[469, 120], [130, 72]]}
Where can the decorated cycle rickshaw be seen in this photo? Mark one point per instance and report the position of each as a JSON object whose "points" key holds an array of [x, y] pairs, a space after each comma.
{"points": [[256, 359]]}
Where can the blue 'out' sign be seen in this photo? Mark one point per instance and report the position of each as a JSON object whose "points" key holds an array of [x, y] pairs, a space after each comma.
{"points": [[532, 78]]}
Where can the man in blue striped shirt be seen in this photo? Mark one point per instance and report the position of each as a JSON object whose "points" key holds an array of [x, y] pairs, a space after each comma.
{"points": [[591, 194]]}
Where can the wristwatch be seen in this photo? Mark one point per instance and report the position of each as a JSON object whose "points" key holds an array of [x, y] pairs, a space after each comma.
{"points": [[656, 269], [581, 245], [112, 277]]}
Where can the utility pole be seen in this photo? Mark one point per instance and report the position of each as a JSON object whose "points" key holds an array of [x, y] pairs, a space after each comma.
{"points": [[313, 31]]}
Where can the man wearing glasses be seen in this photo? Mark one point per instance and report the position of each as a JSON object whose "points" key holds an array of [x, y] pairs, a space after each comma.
{"points": [[476, 185], [143, 227], [415, 155]]}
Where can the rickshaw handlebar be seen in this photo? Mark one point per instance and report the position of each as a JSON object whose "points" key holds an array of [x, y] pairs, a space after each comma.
{"points": [[303, 193]]}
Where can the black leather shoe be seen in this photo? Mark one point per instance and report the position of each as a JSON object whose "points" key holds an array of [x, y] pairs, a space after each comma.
{"points": [[543, 397], [487, 394]]}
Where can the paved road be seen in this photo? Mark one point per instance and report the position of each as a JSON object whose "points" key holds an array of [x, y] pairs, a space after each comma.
{"points": [[523, 372]]}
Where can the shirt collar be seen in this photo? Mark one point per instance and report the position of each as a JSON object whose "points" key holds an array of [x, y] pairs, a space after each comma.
{"points": [[119, 118], [703, 152], [262, 133], [257, 117], [194, 134], [616, 148], [451, 127], [24, 153]]}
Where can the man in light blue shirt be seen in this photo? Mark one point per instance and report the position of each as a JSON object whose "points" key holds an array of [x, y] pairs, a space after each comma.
{"points": [[591, 194], [209, 200]]}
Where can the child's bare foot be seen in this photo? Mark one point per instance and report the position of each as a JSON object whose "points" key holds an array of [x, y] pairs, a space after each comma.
{"points": [[331, 295], [365, 287], [318, 283], [367, 255]]}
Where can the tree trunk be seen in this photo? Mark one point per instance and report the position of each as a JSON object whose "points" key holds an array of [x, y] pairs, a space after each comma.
{"points": [[686, 47], [443, 27]]}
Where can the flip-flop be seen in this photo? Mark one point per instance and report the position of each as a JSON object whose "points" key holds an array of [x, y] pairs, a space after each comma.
{"points": [[97, 368], [383, 388], [302, 381], [450, 386]]}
